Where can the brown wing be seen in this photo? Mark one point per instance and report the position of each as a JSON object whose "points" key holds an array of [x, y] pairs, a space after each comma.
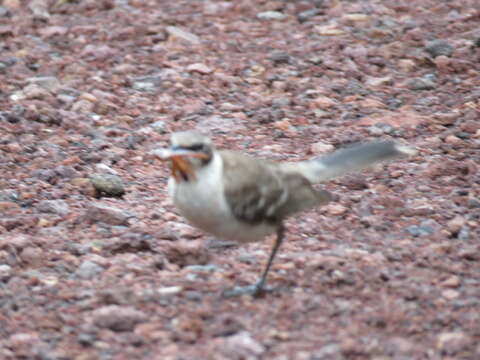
{"points": [[302, 195], [257, 191]]}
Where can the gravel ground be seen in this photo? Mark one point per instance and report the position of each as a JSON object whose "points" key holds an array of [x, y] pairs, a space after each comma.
{"points": [[96, 264]]}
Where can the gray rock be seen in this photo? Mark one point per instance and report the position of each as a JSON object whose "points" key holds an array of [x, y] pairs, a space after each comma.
{"points": [[421, 84], [203, 268], [83, 106], [79, 249], [159, 126], [330, 351], [87, 339], [419, 230], [307, 14], [4, 12], [182, 34], [321, 148], [39, 9], [66, 172], [148, 86], [247, 259], [464, 234], [105, 169], [381, 129], [242, 346], [34, 91], [271, 15], [108, 184], [218, 123], [279, 57], [8, 195], [316, 60], [66, 98], [88, 270], [439, 47], [32, 255], [59, 207], [49, 83], [151, 82], [107, 214], [473, 203], [118, 318], [281, 102], [451, 343], [5, 272]]}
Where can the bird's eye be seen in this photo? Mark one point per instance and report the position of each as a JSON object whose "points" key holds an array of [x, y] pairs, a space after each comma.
{"points": [[196, 147]]}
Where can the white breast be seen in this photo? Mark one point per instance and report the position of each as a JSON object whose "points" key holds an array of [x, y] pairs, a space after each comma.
{"points": [[203, 203]]}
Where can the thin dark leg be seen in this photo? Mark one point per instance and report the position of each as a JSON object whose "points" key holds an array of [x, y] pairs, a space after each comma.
{"points": [[276, 245], [258, 288]]}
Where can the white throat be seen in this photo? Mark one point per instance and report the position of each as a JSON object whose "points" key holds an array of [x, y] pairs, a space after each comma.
{"points": [[202, 202]]}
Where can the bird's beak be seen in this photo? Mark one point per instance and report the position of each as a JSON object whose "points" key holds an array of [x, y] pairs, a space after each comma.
{"points": [[181, 167]]}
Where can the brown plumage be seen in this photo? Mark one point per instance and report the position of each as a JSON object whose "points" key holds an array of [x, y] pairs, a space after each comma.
{"points": [[241, 198]]}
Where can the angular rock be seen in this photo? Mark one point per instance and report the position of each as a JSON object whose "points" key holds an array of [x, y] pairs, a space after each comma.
{"points": [[179, 33], [118, 318], [108, 184], [199, 68], [34, 91], [271, 15], [456, 224], [5, 272], [406, 65], [280, 57], [421, 84], [159, 126], [50, 83], [321, 148], [32, 256], [323, 102], [242, 346], [218, 123], [97, 212], [307, 14], [439, 47], [59, 207], [336, 209], [451, 342], [88, 270], [39, 9], [83, 106]]}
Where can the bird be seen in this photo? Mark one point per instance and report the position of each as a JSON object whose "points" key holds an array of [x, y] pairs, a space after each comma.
{"points": [[240, 198]]}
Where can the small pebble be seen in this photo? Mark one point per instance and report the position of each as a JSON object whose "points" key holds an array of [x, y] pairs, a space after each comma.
{"points": [[439, 47], [108, 184], [88, 270], [118, 318], [271, 15], [321, 148]]}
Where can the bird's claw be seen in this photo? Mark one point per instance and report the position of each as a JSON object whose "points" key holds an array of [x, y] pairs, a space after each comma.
{"points": [[256, 290]]}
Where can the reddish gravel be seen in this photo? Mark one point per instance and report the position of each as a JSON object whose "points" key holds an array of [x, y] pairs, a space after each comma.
{"points": [[94, 261]]}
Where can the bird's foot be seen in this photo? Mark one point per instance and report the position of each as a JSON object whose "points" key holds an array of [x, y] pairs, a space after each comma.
{"points": [[220, 244], [256, 290]]}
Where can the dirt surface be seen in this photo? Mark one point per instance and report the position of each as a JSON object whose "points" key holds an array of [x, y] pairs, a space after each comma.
{"points": [[96, 264]]}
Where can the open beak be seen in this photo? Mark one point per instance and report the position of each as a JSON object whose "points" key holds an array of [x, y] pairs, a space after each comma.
{"points": [[181, 167]]}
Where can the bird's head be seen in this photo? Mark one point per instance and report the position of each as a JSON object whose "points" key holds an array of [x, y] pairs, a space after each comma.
{"points": [[188, 152]]}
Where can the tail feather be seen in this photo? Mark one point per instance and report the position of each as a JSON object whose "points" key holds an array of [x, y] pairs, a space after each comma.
{"points": [[354, 158]]}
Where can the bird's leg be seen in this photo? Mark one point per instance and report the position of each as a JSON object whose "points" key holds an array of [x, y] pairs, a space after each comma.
{"points": [[258, 289], [276, 245]]}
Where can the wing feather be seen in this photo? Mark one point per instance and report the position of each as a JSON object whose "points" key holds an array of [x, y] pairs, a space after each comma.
{"points": [[257, 191]]}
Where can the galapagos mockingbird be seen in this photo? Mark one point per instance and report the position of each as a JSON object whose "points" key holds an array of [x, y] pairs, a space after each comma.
{"points": [[237, 197]]}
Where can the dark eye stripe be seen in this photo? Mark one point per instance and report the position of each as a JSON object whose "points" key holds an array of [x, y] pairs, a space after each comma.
{"points": [[195, 147]]}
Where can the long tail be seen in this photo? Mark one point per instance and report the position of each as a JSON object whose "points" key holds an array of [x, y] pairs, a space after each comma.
{"points": [[350, 159]]}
